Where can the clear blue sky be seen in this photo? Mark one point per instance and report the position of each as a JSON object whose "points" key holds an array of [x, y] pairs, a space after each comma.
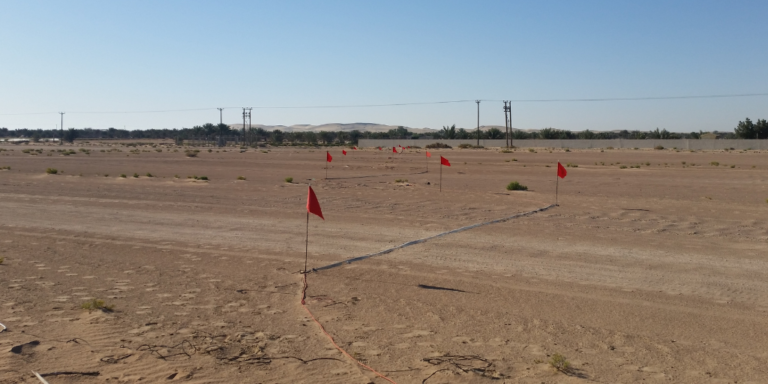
{"points": [[92, 56]]}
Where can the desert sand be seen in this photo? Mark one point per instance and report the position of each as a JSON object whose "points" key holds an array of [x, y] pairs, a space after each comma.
{"points": [[652, 274]]}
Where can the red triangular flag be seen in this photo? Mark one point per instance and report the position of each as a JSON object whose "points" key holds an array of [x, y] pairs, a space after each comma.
{"points": [[561, 172], [344, 152], [313, 206], [379, 148], [445, 161], [328, 156], [409, 147], [399, 145], [394, 150], [429, 154], [355, 148]]}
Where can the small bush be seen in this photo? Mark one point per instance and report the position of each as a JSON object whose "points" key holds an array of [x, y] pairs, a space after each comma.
{"points": [[531, 150], [136, 175], [123, 175], [149, 174], [465, 146], [205, 178], [714, 163], [515, 186], [241, 177], [437, 145], [106, 175], [2, 259], [51, 171], [659, 147], [401, 181], [647, 164], [210, 150], [571, 165], [97, 305], [567, 150], [190, 153], [289, 179], [623, 167], [560, 363], [733, 166], [506, 151], [608, 147]]}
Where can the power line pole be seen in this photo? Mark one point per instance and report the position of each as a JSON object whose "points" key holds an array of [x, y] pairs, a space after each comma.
{"points": [[246, 120], [61, 140], [507, 118], [221, 121], [478, 122]]}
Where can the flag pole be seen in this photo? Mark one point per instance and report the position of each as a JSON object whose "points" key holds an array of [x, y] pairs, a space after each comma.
{"points": [[557, 181], [306, 245], [441, 175], [427, 160], [326, 171]]}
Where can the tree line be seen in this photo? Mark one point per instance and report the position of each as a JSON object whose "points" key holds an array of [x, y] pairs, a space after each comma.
{"points": [[746, 129]]}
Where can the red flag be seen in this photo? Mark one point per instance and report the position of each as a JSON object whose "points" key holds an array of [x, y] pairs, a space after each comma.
{"points": [[355, 148], [409, 147], [344, 152], [379, 148], [328, 156], [429, 154], [313, 206], [445, 161], [394, 150], [399, 145], [561, 172]]}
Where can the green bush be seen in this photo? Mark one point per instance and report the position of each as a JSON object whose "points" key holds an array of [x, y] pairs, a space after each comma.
{"points": [[515, 186], [571, 165], [51, 171], [401, 181], [136, 175], [560, 363], [437, 145], [149, 174], [623, 167], [203, 178], [289, 179], [241, 177], [714, 163], [97, 305], [123, 175], [658, 147]]}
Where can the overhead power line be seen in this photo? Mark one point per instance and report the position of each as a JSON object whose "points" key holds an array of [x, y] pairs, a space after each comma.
{"points": [[407, 104]]}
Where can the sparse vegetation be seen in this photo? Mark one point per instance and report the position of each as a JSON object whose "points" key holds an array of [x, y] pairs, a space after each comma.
{"points": [[204, 178], [401, 181], [289, 179], [515, 186], [241, 177], [97, 305], [714, 163], [572, 165], [531, 150], [2, 259], [123, 175], [733, 166], [560, 363], [437, 145], [149, 174], [51, 171], [136, 175], [608, 147], [191, 153], [465, 145], [623, 167]]}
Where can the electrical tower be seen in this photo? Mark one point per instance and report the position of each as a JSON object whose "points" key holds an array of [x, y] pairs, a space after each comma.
{"points": [[246, 121]]}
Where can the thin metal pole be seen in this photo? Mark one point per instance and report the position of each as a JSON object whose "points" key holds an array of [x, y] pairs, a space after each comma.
{"points": [[427, 160], [306, 245], [557, 180], [326, 165], [441, 175]]}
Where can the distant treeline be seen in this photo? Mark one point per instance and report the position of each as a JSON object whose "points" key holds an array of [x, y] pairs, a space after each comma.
{"points": [[744, 130]]}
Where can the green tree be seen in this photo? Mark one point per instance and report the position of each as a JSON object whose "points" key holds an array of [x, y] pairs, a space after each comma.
{"points": [[494, 133], [449, 132], [70, 135]]}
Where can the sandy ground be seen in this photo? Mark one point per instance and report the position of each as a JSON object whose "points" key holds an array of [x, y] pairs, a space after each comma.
{"points": [[651, 274]]}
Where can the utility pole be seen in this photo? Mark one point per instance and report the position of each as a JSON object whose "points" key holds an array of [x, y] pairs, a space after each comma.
{"points": [[61, 140], [507, 118], [221, 121], [246, 120], [478, 122]]}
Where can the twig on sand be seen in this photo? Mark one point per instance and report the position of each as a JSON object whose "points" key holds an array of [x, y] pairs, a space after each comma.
{"points": [[94, 373], [40, 378]]}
